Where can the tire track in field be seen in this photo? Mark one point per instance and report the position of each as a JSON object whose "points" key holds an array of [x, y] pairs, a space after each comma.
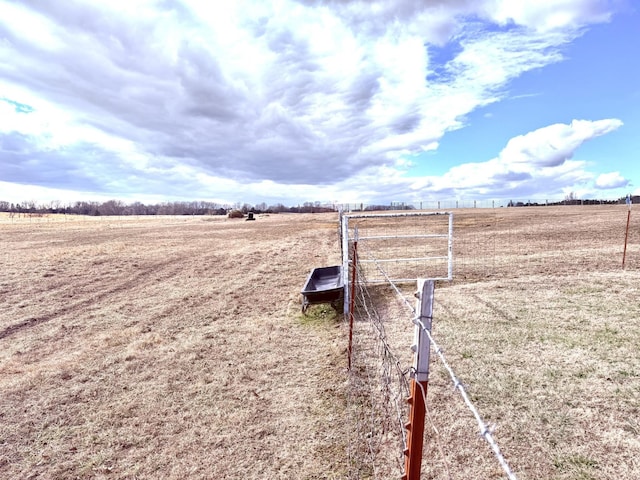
{"points": [[143, 277]]}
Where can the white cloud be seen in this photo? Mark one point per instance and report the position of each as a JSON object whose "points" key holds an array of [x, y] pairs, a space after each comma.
{"points": [[553, 145], [537, 163], [280, 99], [41, 32], [611, 180], [546, 15]]}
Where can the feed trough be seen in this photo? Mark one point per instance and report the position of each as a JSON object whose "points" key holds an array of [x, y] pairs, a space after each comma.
{"points": [[324, 285]]}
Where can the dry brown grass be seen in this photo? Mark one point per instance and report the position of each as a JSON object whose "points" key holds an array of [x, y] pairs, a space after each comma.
{"points": [[543, 328], [167, 349], [553, 363], [175, 348]]}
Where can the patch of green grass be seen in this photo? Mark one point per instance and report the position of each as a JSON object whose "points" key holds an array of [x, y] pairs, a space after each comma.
{"points": [[585, 289], [322, 314], [585, 372], [608, 334], [579, 466]]}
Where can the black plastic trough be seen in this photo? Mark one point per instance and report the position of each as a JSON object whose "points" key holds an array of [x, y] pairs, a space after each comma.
{"points": [[324, 285]]}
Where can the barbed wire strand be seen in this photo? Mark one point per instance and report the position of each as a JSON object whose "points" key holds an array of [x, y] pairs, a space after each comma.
{"points": [[366, 421], [386, 393], [389, 362], [386, 277], [437, 439], [485, 431], [376, 321]]}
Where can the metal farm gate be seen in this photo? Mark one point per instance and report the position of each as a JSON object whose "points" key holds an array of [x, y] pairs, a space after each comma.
{"points": [[397, 247]]}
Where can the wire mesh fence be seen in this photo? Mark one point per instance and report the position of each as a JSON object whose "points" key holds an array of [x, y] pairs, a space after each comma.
{"points": [[490, 245], [378, 388], [504, 243], [409, 244]]}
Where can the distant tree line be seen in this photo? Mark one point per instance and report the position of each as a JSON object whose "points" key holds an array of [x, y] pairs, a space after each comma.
{"points": [[119, 208], [572, 199], [564, 202]]}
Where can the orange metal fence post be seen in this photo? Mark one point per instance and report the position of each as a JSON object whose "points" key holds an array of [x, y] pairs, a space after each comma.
{"points": [[419, 382], [415, 427], [626, 234]]}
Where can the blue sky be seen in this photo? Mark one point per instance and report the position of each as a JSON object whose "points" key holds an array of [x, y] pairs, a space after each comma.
{"points": [[294, 101], [597, 78]]}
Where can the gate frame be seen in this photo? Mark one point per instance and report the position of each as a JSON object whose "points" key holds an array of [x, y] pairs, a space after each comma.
{"points": [[346, 238]]}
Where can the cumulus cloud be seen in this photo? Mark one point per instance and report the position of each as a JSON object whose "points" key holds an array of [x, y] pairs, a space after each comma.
{"points": [[553, 145], [611, 180], [267, 98], [547, 15], [536, 162]]}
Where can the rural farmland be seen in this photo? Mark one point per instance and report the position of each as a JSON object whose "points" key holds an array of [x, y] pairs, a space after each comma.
{"points": [[175, 347]]}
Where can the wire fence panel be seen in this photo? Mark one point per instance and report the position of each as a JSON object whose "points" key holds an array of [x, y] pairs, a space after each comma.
{"points": [[378, 385], [379, 388], [504, 243], [411, 245], [488, 334]]}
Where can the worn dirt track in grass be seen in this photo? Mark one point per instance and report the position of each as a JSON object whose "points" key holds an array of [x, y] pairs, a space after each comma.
{"points": [[168, 348]]}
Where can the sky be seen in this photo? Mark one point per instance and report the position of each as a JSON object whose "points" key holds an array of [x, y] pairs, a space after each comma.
{"points": [[335, 101]]}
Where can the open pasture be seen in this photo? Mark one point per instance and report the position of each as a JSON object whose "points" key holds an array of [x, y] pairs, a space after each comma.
{"points": [[175, 347]]}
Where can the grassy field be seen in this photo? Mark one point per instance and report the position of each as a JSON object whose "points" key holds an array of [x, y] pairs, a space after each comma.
{"points": [[175, 347]]}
